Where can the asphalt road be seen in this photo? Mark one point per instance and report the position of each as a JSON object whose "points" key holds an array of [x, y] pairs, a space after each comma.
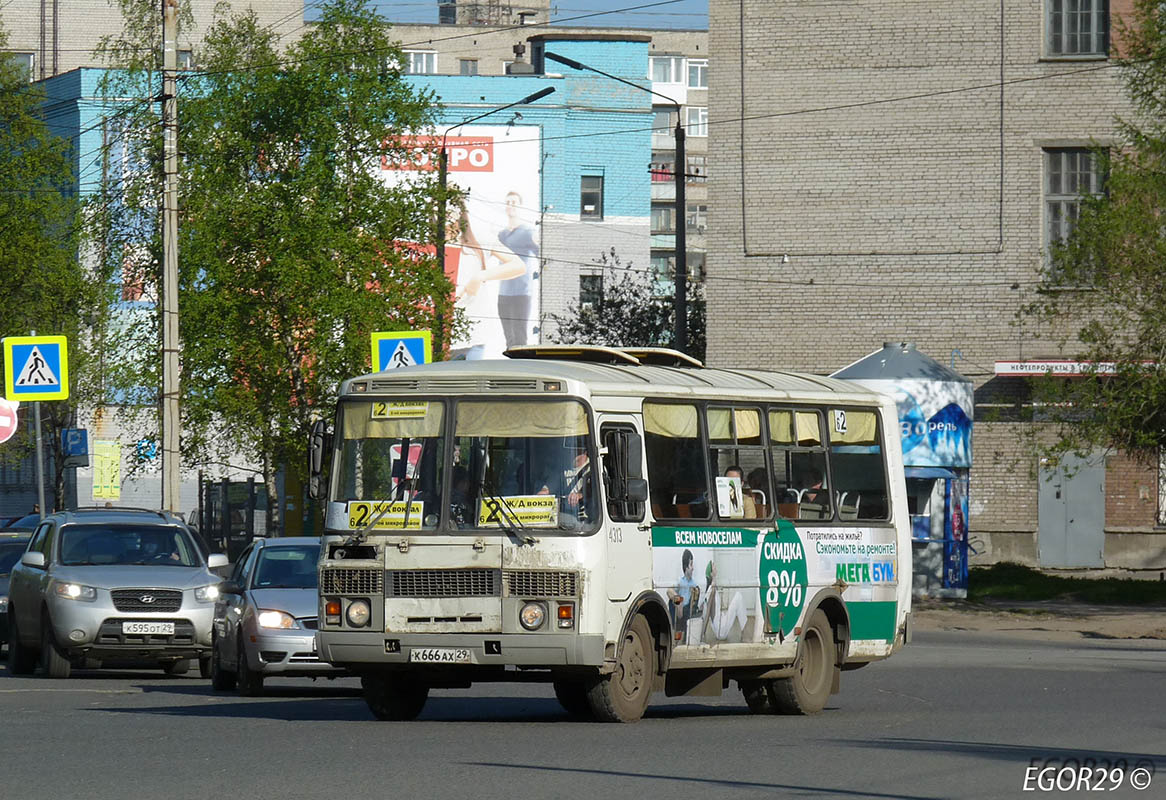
{"points": [[956, 714]]}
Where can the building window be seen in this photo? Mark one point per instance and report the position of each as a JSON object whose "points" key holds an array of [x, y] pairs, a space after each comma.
{"points": [[694, 264], [667, 69], [590, 292], [698, 120], [186, 59], [591, 197], [25, 62], [1077, 27], [698, 73], [421, 62], [661, 121], [698, 217], [663, 219], [447, 13], [467, 66], [1069, 173], [662, 169], [697, 170]]}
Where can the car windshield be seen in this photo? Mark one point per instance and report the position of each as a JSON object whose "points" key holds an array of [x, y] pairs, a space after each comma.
{"points": [[112, 544], [10, 553], [292, 567], [26, 523]]}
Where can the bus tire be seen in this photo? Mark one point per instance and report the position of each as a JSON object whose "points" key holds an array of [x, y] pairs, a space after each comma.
{"points": [[806, 691], [397, 697], [757, 696], [623, 694], [572, 696]]}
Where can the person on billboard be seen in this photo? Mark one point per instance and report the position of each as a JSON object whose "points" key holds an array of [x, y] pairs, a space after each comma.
{"points": [[516, 294], [475, 267]]}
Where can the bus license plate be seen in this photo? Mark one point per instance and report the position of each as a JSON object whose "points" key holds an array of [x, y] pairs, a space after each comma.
{"points": [[164, 628], [440, 655]]}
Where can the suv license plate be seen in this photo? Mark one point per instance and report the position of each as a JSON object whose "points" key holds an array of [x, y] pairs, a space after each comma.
{"points": [[440, 655], [165, 628]]}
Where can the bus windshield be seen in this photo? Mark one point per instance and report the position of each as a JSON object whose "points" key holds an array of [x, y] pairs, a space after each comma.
{"points": [[512, 465]]}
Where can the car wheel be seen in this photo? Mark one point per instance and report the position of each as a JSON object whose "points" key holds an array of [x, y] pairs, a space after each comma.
{"points": [[179, 667], [222, 680], [21, 659], [54, 662], [204, 666], [250, 682]]}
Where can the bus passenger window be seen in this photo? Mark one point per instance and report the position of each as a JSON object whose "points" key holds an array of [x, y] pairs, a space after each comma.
{"points": [[677, 476], [857, 463], [801, 481], [737, 452]]}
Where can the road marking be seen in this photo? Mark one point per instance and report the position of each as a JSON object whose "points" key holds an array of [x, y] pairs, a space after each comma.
{"points": [[92, 691]]}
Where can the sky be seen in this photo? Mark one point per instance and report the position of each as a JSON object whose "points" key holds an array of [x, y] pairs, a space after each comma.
{"points": [[661, 14]]}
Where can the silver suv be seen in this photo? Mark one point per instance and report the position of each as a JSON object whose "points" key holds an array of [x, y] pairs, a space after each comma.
{"points": [[112, 583]]}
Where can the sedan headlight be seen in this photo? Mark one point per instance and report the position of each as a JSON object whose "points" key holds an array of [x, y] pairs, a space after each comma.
{"points": [[269, 618], [207, 594], [74, 591], [3, 604]]}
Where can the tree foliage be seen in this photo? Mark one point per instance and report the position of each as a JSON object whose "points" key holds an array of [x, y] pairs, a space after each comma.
{"points": [[631, 312], [1105, 292], [46, 288], [290, 249]]}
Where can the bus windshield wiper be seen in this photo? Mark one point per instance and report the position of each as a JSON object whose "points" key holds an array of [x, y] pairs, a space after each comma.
{"points": [[503, 512]]}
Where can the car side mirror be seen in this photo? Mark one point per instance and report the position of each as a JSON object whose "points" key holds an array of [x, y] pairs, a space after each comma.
{"points": [[216, 560], [637, 490], [33, 558], [230, 587]]}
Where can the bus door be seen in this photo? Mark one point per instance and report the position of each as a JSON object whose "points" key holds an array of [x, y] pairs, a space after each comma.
{"points": [[629, 557]]}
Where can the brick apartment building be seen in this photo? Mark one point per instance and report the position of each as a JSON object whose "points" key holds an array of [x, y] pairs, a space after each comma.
{"points": [[896, 171]]}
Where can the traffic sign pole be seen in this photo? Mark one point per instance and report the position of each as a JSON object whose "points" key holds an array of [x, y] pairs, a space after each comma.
{"points": [[40, 461]]}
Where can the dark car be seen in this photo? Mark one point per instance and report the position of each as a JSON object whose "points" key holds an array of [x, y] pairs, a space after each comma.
{"points": [[28, 522], [12, 546]]}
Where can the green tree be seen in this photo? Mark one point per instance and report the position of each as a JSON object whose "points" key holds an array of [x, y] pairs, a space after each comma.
{"points": [[46, 286], [1104, 292], [290, 243], [630, 312]]}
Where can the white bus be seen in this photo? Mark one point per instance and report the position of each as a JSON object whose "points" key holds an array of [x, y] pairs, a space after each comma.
{"points": [[614, 522]]}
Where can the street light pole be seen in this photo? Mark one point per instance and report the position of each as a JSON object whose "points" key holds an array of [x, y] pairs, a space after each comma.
{"points": [[170, 419], [442, 183], [679, 168]]}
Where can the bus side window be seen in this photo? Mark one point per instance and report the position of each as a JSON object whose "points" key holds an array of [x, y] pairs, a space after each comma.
{"points": [[677, 475], [800, 479], [857, 464]]}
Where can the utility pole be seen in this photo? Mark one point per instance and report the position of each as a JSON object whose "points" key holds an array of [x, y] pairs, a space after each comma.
{"points": [[171, 422]]}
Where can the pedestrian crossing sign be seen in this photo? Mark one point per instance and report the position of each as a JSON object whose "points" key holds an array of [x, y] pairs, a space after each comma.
{"points": [[393, 350], [36, 368]]}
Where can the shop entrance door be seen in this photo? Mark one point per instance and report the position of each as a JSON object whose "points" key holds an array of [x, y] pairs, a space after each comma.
{"points": [[1071, 512]]}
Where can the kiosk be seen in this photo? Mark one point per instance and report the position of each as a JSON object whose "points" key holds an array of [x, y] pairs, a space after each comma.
{"points": [[935, 420]]}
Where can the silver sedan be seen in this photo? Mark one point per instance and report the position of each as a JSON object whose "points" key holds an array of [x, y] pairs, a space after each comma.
{"points": [[266, 616]]}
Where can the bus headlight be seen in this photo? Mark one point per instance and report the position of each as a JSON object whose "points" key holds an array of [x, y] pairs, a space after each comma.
{"points": [[532, 616], [358, 613]]}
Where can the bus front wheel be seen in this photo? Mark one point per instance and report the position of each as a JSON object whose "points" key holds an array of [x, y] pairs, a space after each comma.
{"points": [[623, 694], [806, 691], [394, 697]]}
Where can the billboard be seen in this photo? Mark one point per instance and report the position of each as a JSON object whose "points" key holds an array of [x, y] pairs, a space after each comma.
{"points": [[492, 250]]}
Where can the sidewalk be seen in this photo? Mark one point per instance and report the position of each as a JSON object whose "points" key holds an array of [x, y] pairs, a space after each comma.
{"points": [[1043, 620]]}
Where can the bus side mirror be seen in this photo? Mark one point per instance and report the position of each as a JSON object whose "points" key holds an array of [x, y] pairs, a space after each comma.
{"points": [[318, 445], [637, 490]]}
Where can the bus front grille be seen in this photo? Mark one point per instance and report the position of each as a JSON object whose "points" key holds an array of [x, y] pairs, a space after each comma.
{"points": [[351, 581], [444, 583], [540, 583]]}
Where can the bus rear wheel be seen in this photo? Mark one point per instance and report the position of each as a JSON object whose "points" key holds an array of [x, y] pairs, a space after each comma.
{"points": [[757, 696], [397, 697], [623, 694], [806, 691], [572, 696]]}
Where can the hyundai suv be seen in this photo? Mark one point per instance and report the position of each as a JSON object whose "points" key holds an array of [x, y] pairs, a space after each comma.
{"points": [[112, 584]]}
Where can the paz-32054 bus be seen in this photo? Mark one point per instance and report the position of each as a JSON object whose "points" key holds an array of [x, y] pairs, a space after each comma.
{"points": [[613, 522]]}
